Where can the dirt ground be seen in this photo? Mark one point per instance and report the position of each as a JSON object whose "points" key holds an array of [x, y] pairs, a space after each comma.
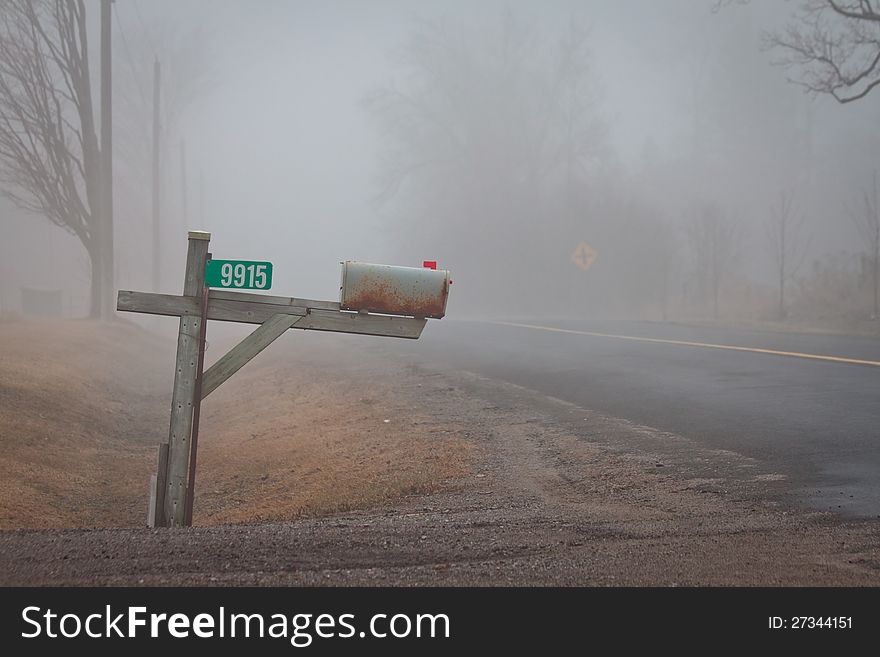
{"points": [[334, 460]]}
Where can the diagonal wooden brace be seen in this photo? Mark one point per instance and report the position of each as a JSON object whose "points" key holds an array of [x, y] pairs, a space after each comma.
{"points": [[241, 353]]}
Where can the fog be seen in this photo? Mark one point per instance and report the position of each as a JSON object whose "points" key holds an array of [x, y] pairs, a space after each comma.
{"points": [[394, 131]]}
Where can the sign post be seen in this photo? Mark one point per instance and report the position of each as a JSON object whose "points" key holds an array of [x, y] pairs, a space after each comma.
{"points": [[377, 289]]}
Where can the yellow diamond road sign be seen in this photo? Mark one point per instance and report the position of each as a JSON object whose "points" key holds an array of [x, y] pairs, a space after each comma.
{"points": [[584, 256]]}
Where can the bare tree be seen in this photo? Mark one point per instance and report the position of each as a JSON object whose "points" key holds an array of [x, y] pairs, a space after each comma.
{"points": [[496, 105], [49, 154], [867, 223], [836, 46], [785, 240], [714, 242], [489, 132]]}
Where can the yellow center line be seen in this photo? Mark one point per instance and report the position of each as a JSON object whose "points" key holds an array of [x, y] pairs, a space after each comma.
{"points": [[708, 345]]}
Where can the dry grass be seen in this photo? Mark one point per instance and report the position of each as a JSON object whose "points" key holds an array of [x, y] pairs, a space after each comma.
{"points": [[83, 406], [300, 445]]}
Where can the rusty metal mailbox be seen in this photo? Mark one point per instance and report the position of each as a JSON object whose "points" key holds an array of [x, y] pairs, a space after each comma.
{"points": [[391, 290]]}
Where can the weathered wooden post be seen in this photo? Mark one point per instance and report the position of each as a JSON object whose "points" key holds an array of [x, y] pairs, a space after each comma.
{"points": [[169, 495]]}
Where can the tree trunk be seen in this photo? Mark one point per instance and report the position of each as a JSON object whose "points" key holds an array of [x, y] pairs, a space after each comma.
{"points": [[106, 165], [784, 216], [96, 286], [716, 283], [876, 281], [782, 295], [107, 285]]}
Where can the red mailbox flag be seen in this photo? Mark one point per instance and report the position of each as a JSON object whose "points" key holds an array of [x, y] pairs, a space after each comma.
{"points": [[430, 264]]}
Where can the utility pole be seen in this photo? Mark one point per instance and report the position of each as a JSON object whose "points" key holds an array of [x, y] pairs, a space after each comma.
{"points": [[201, 197], [107, 306], [874, 230], [183, 211], [157, 276]]}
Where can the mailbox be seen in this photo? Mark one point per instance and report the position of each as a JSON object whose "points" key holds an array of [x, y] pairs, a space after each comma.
{"points": [[390, 290]]}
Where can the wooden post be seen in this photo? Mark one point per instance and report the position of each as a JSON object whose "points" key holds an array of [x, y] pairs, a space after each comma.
{"points": [[197, 408], [174, 512], [157, 489]]}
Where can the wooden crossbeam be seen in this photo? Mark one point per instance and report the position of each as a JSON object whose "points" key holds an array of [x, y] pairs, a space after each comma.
{"points": [[349, 322], [241, 353], [241, 307], [224, 310], [174, 305], [274, 300]]}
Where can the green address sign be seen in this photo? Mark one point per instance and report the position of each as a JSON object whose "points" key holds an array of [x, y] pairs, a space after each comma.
{"points": [[239, 274]]}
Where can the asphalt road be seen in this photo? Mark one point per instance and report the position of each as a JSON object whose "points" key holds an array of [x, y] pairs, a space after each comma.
{"points": [[815, 421]]}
